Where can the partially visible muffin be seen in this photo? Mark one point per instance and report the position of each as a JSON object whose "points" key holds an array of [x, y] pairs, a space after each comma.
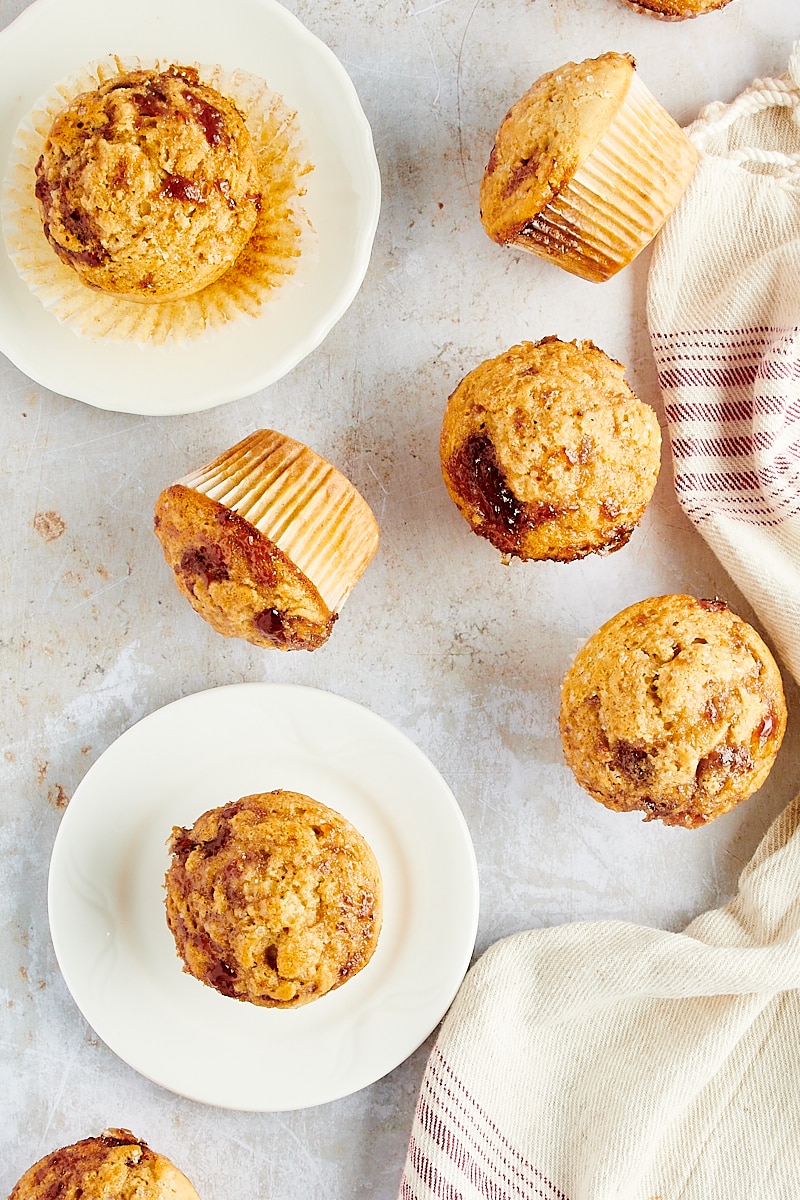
{"points": [[114, 1166], [585, 168], [148, 186], [274, 899], [675, 707], [547, 452], [676, 10], [267, 541]]}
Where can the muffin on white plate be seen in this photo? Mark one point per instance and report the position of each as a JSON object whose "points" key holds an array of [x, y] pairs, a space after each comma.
{"points": [[154, 201], [274, 899]]}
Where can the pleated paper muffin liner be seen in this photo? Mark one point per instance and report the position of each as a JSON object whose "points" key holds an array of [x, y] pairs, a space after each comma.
{"points": [[281, 247], [302, 503], [620, 196]]}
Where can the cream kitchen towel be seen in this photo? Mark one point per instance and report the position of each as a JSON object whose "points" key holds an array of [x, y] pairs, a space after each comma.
{"points": [[608, 1061], [724, 316], [600, 1061]]}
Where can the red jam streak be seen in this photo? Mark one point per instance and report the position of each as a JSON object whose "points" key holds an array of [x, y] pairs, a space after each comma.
{"points": [[210, 119], [178, 187]]}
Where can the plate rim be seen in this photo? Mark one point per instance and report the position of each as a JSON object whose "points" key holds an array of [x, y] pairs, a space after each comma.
{"points": [[93, 387], [58, 887]]}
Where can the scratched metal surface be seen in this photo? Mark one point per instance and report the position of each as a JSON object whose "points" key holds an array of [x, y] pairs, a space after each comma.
{"points": [[463, 655]]}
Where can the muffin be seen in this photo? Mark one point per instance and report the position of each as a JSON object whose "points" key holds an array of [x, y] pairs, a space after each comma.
{"points": [[676, 10], [274, 899], [267, 541], [547, 453], [149, 185], [675, 707], [585, 169], [153, 201], [115, 1164]]}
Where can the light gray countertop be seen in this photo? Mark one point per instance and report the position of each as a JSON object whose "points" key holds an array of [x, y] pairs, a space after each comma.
{"points": [[462, 654]]}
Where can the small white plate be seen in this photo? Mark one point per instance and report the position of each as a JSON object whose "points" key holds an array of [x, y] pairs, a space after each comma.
{"points": [[107, 913], [52, 39]]}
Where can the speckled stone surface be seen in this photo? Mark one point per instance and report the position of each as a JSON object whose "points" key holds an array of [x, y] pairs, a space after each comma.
{"points": [[462, 654]]}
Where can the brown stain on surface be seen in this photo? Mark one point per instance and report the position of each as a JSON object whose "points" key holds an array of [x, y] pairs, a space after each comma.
{"points": [[57, 796], [49, 525]]}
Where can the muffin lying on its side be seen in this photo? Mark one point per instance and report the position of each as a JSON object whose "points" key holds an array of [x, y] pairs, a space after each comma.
{"points": [[547, 452], [274, 899], [267, 541], [675, 707], [585, 169], [113, 1166]]}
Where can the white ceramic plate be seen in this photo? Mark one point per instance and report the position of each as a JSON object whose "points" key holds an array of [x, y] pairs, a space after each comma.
{"points": [[49, 41], [106, 898]]}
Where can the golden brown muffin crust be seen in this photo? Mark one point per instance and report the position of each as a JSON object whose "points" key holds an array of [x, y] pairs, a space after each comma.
{"points": [[546, 135], [274, 899], [148, 186], [675, 707], [676, 10], [115, 1164], [235, 577], [547, 452]]}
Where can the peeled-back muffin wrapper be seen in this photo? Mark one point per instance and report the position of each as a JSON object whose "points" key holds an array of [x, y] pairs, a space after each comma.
{"points": [[302, 503], [282, 243], [621, 195]]}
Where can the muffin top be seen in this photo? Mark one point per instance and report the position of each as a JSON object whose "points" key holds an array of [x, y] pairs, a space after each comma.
{"points": [[148, 186], [274, 899], [676, 10], [546, 136], [115, 1164], [547, 452], [675, 707]]}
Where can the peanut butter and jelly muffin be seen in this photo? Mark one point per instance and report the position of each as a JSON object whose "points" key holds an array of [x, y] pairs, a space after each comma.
{"points": [[114, 1166], [267, 541], [148, 185], [676, 10], [585, 169], [547, 453], [274, 899], [675, 707], [147, 202]]}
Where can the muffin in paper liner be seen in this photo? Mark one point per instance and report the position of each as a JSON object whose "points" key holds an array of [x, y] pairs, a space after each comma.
{"points": [[280, 247], [115, 1163], [586, 168], [267, 541]]}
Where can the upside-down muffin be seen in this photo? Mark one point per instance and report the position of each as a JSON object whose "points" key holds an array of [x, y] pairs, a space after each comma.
{"points": [[148, 185], [114, 1166], [675, 707], [274, 899], [585, 168], [547, 452], [267, 541]]}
